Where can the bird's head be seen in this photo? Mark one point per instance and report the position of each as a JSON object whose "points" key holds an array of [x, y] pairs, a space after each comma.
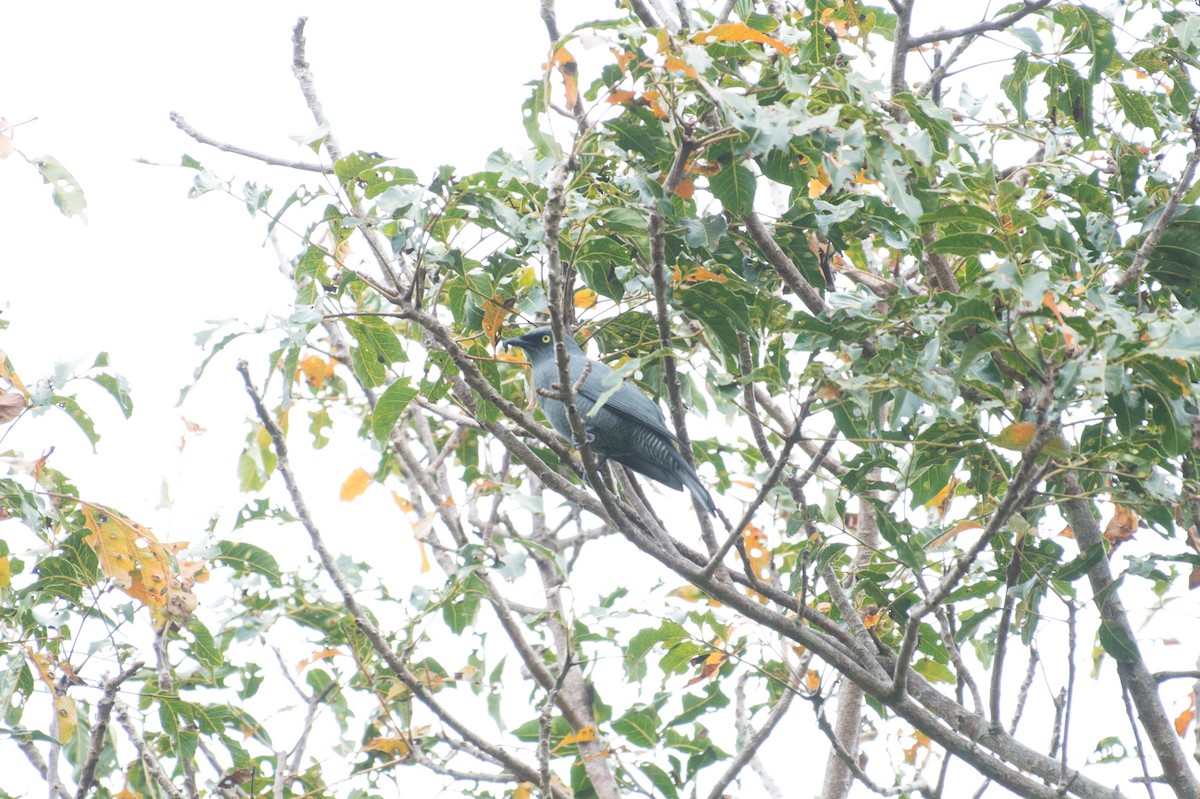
{"points": [[538, 343]]}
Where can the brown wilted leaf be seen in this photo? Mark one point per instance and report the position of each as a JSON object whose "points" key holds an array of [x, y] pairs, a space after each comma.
{"points": [[12, 405], [495, 313], [1194, 578], [355, 485], [1122, 526]]}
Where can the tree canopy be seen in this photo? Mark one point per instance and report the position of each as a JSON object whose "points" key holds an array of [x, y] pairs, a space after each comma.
{"points": [[933, 345]]}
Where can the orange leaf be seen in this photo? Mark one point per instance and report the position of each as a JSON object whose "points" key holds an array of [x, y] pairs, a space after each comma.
{"points": [[686, 189], [355, 485], [585, 298], [316, 371], [404, 504], [738, 32], [702, 275], [8, 373], [1016, 436], [621, 97], [862, 178], [653, 100], [1184, 719], [564, 62], [1122, 526], [677, 64], [130, 556], [812, 681], [818, 185], [690, 593], [624, 59], [494, 315], [320, 654]]}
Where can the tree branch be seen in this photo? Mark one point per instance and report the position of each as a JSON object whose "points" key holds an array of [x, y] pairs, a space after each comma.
{"points": [[1130, 666], [87, 774], [782, 264], [187, 128]]}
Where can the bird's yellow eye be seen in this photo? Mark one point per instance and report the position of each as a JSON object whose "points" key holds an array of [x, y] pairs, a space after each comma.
{"points": [[545, 339]]}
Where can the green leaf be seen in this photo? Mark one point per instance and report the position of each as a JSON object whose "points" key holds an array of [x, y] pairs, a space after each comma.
{"points": [[388, 408], [697, 705], [71, 408], [247, 558], [68, 195], [663, 782], [1116, 641], [203, 646], [734, 186], [639, 726], [118, 388], [1136, 107], [704, 232], [967, 244]]}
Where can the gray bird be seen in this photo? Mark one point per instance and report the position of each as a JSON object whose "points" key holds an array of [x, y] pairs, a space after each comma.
{"points": [[627, 428]]}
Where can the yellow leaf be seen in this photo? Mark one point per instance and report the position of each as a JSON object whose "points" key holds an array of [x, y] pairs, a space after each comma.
{"points": [[67, 718], [5, 572], [523, 791], [583, 735], [942, 501], [355, 485], [395, 747], [403, 503], [862, 178], [812, 681], [527, 278], [621, 97], [738, 32], [320, 654], [585, 298], [1016, 436], [691, 593]]}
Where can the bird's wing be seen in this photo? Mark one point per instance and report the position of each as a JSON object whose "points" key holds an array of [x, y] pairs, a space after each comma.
{"points": [[627, 400]]}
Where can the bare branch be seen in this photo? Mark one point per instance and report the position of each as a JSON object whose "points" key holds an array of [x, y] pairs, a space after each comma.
{"points": [[149, 760], [87, 774], [998, 24], [362, 619], [1131, 667], [750, 748], [187, 128]]}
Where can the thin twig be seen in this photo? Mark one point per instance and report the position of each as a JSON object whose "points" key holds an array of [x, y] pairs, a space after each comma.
{"points": [[149, 760], [544, 725], [750, 748], [225, 147]]}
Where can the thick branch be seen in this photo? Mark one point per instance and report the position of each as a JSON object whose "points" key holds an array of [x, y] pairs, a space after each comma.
{"points": [[1137, 679], [782, 264], [87, 774]]}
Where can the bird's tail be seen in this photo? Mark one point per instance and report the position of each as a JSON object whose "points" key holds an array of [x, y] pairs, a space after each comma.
{"points": [[699, 492]]}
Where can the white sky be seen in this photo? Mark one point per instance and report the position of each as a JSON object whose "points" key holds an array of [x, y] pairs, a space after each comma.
{"points": [[425, 83]]}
